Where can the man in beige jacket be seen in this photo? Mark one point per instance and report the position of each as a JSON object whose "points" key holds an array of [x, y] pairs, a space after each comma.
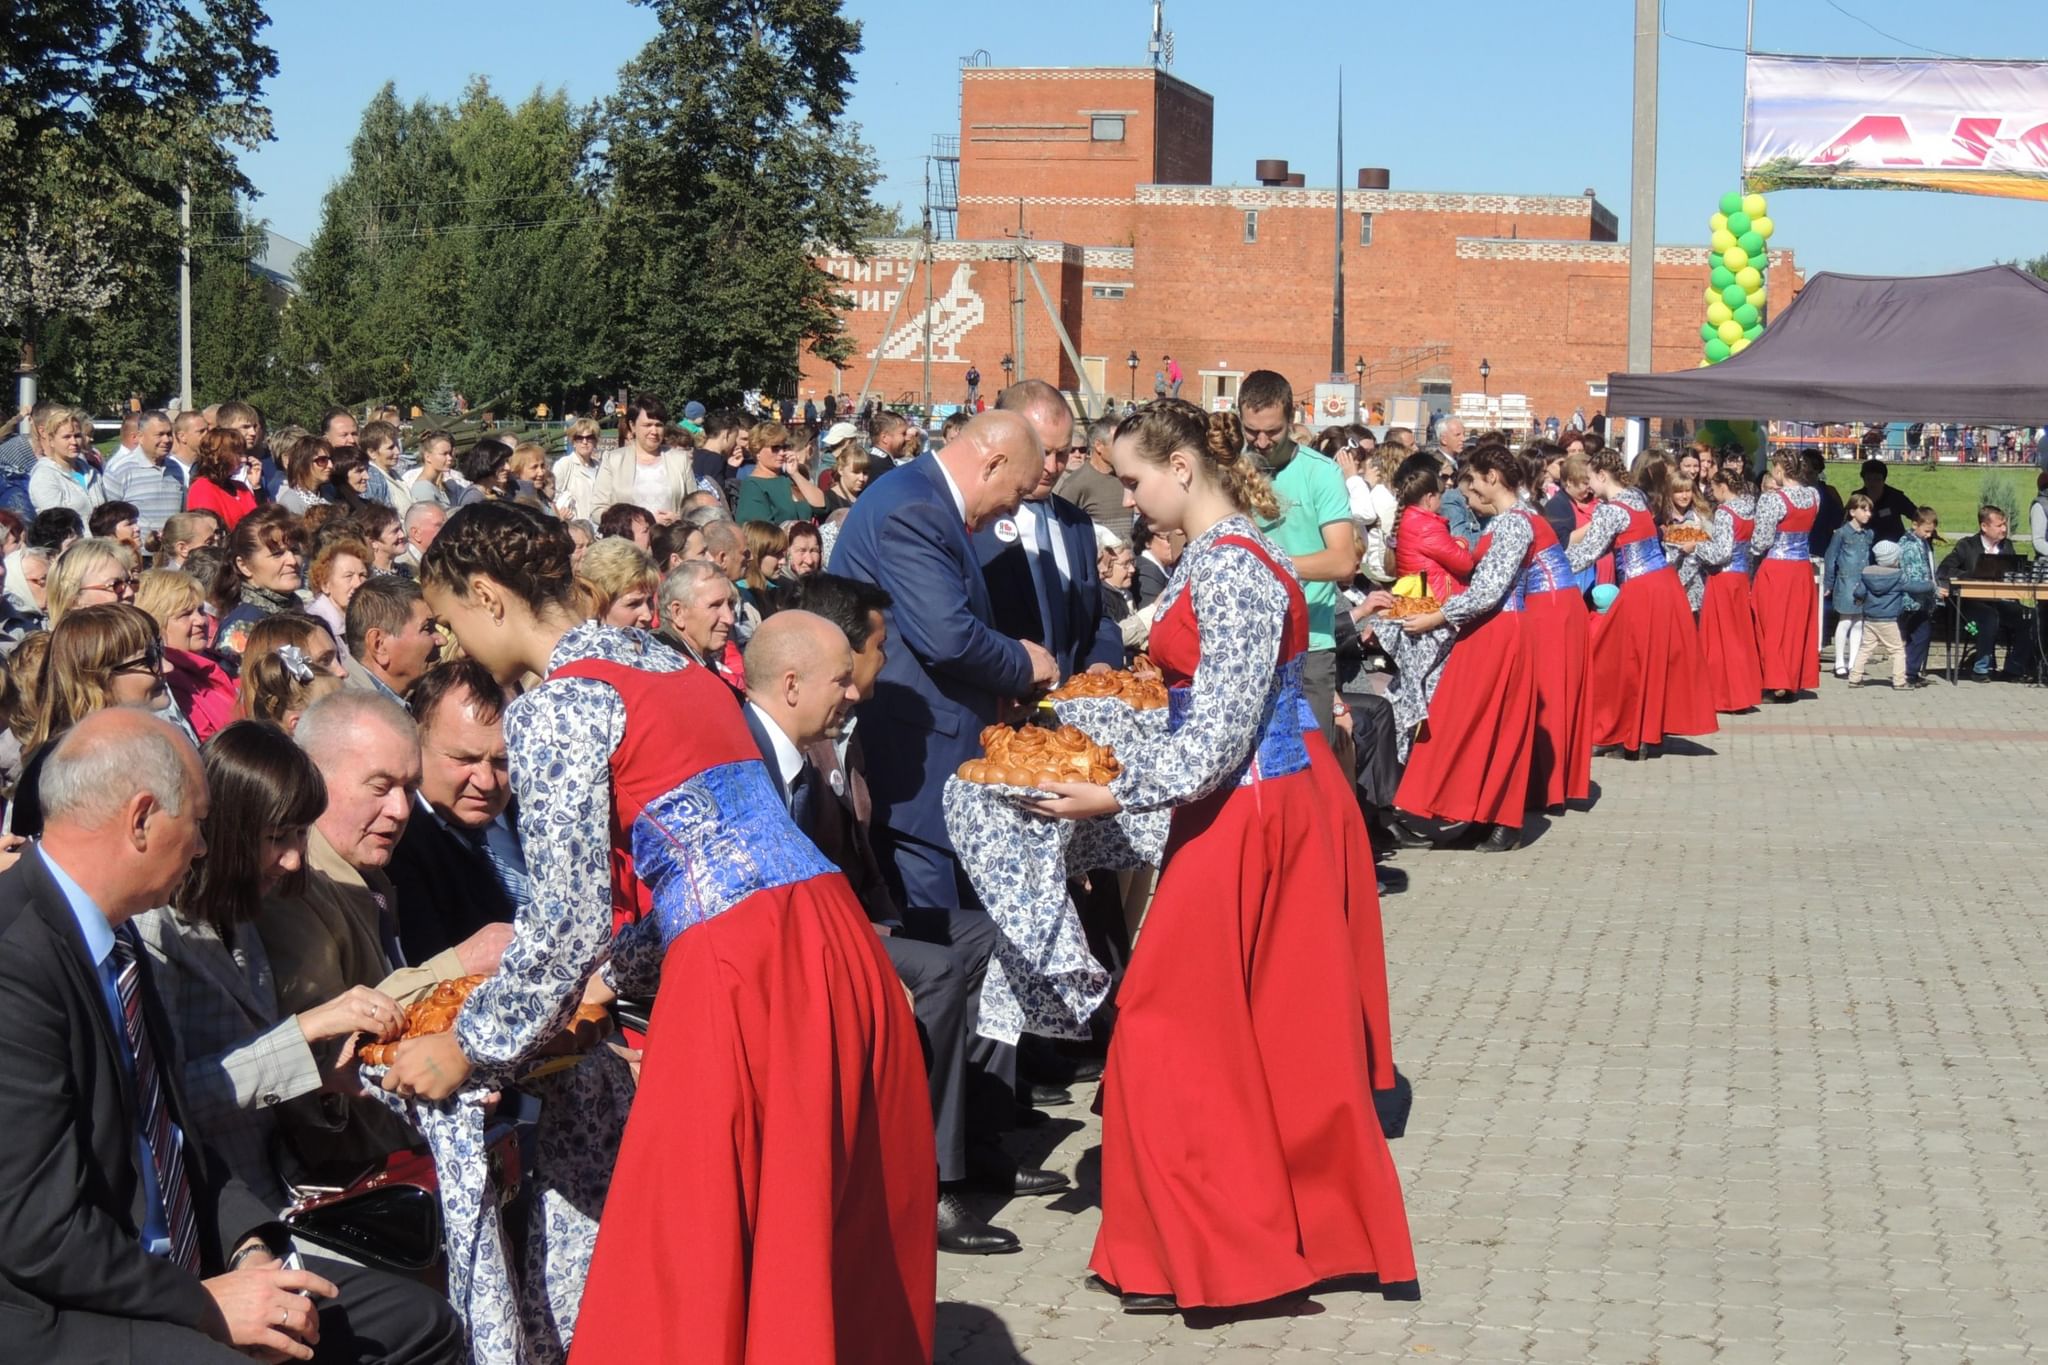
{"points": [[342, 931]]}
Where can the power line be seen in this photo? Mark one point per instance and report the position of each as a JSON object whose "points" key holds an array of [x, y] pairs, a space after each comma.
{"points": [[1892, 37], [1664, 27]]}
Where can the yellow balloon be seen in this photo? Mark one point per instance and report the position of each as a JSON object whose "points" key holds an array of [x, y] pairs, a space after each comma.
{"points": [[1724, 240], [1754, 206], [1718, 223], [1756, 298], [1734, 257], [1719, 314], [1731, 332], [1738, 346], [1763, 227], [1749, 278], [1713, 296]]}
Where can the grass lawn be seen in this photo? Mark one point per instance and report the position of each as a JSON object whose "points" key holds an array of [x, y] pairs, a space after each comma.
{"points": [[1953, 491]]}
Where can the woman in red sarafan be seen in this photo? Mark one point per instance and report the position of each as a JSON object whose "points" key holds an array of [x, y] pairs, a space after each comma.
{"points": [[1786, 599], [1471, 761], [1557, 632], [772, 1199], [1648, 678], [1241, 1156], [1727, 619]]}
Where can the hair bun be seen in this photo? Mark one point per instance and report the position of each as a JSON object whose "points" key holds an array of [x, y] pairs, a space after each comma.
{"points": [[1226, 438]]}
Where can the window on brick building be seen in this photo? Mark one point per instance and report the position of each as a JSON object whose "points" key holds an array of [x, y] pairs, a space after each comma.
{"points": [[1251, 225], [1106, 128], [1108, 291], [1365, 229]]}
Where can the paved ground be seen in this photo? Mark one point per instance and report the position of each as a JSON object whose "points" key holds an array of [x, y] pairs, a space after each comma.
{"points": [[1745, 1064]]}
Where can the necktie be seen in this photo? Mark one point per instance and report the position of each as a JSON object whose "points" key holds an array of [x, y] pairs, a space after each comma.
{"points": [[803, 791], [387, 929], [164, 1154], [510, 874], [1052, 596]]}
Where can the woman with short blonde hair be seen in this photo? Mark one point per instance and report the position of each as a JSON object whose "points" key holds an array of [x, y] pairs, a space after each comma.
{"points": [[92, 572], [624, 580], [176, 601], [63, 476]]}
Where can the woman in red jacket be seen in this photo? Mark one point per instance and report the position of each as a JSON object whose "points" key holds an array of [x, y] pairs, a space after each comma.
{"points": [[214, 487], [1424, 543]]}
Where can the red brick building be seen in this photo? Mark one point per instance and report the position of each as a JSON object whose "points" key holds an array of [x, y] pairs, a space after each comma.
{"points": [[1085, 193]]}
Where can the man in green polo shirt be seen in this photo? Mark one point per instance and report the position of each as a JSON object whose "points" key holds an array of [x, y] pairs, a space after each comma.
{"points": [[1314, 526]]}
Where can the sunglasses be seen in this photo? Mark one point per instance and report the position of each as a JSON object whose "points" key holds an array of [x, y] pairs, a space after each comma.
{"points": [[119, 587], [150, 661]]}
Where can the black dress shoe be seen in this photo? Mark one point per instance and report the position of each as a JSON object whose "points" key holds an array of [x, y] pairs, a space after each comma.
{"points": [[994, 1170], [1087, 1069], [1503, 839], [964, 1233], [1134, 1303], [1405, 835], [1047, 1096]]}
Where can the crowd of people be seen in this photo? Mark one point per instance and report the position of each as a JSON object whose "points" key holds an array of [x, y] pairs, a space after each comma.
{"points": [[303, 726]]}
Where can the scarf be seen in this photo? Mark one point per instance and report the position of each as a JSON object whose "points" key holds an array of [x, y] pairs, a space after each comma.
{"points": [[268, 602]]}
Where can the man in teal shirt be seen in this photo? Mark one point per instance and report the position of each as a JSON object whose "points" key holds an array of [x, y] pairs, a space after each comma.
{"points": [[1314, 527]]}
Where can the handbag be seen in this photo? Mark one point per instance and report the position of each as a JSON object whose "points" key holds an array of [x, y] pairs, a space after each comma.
{"points": [[390, 1218]]}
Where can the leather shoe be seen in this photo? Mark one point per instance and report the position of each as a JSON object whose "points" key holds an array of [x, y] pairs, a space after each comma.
{"points": [[1047, 1096], [1503, 839], [1086, 1069], [1405, 835], [996, 1172], [964, 1233]]}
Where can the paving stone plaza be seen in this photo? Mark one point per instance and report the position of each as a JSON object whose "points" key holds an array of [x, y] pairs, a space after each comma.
{"points": [[1745, 1064]]}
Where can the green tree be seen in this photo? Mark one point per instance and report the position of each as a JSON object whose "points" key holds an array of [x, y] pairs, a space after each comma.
{"points": [[235, 311], [107, 108], [728, 169]]}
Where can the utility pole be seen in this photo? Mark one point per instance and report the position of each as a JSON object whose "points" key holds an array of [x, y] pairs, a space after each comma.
{"points": [[1017, 295], [185, 298], [927, 292], [1337, 302], [1642, 203]]}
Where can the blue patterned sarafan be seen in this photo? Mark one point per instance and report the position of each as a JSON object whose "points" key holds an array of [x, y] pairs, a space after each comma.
{"points": [[716, 840]]}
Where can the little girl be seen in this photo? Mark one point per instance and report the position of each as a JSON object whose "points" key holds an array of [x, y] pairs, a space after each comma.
{"points": [[1681, 508], [1424, 543], [1842, 572]]}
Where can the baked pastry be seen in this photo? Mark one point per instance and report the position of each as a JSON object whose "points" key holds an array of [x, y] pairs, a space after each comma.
{"points": [[1141, 693], [1405, 607], [1687, 536], [1034, 754], [435, 1012]]}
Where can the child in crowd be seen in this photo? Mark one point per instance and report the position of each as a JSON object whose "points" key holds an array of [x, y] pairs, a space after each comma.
{"points": [[1881, 597], [1916, 572], [1424, 544], [1841, 571]]}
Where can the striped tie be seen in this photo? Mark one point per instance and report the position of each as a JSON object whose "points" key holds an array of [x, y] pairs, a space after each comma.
{"points": [[164, 1153]]}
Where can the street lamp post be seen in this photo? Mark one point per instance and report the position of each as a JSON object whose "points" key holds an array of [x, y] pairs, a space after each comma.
{"points": [[1132, 361], [1485, 373], [1008, 365]]}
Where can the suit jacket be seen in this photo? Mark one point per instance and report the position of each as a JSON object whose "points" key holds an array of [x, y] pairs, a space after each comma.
{"points": [[445, 886], [1967, 554], [70, 1232], [840, 819], [947, 663], [614, 481], [1091, 637], [1151, 581]]}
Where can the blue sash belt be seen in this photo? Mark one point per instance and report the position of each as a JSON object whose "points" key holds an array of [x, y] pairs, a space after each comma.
{"points": [[1739, 561], [721, 836], [1517, 596], [1280, 749], [1637, 558], [1550, 571], [1788, 545]]}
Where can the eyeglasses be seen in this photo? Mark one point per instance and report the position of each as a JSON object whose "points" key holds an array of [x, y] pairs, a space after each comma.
{"points": [[150, 661], [580, 439], [323, 459], [119, 587]]}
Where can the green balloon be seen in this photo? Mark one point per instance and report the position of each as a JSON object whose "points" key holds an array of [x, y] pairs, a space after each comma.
{"points": [[1734, 296], [1754, 332], [1746, 315], [1738, 222], [1722, 277], [1731, 203], [1707, 331], [1752, 243], [1717, 350]]}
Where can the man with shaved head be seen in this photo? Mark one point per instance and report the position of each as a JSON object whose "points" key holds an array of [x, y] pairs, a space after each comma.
{"points": [[911, 535]]}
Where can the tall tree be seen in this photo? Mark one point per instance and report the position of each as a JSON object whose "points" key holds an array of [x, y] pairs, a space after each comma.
{"points": [[729, 169], [107, 108]]}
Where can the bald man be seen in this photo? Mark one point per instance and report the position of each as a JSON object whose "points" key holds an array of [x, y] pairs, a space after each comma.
{"points": [[911, 534]]}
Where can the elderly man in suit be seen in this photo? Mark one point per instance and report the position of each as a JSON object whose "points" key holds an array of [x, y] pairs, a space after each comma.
{"points": [[121, 1242], [1039, 562], [910, 534]]}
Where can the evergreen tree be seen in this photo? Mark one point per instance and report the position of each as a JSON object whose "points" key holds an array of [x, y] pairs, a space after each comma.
{"points": [[729, 169]]}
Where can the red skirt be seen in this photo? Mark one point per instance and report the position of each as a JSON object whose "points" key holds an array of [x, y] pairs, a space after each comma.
{"points": [[1787, 607], [775, 1195], [1728, 643], [1471, 761], [1557, 637], [1241, 1156], [1649, 680], [1362, 907]]}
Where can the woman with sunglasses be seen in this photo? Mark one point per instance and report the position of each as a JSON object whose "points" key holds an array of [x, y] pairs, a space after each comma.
{"points": [[261, 576], [641, 796], [306, 476], [176, 601], [576, 473], [98, 657], [91, 573], [777, 491]]}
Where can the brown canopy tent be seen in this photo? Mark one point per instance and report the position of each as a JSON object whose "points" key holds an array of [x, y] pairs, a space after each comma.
{"points": [[1968, 347]]}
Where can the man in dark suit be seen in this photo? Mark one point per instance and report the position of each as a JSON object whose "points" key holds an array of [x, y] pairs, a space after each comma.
{"points": [[458, 866], [1158, 552], [1986, 622], [910, 535], [1039, 562], [121, 1241], [802, 682]]}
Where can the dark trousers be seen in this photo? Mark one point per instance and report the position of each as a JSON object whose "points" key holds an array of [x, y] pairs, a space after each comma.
{"points": [[920, 873], [379, 1319], [1319, 685], [1917, 625], [987, 1102], [939, 996], [1987, 624]]}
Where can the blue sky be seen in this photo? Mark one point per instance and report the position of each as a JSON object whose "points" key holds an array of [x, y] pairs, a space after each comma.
{"points": [[1500, 95]]}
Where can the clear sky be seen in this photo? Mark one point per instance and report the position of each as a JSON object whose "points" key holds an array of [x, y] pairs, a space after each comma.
{"points": [[1493, 95]]}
